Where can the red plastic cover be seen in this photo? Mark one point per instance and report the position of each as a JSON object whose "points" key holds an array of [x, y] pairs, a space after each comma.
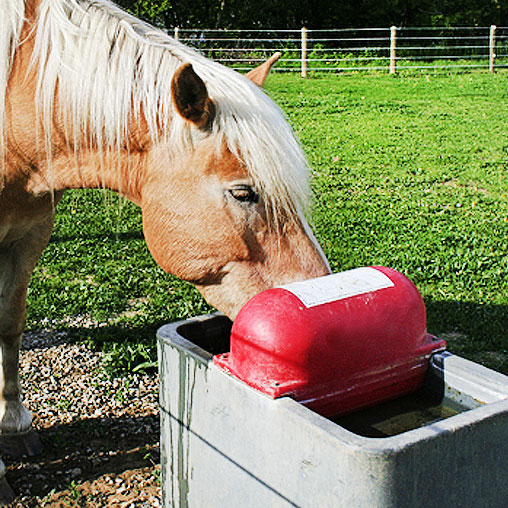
{"points": [[334, 343]]}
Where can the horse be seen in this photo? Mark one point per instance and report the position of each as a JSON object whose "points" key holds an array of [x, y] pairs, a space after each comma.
{"points": [[92, 97]]}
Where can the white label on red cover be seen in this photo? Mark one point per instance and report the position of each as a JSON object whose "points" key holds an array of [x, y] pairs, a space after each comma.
{"points": [[338, 286]]}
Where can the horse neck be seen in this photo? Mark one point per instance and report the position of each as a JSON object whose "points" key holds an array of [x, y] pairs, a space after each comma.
{"points": [[91, 168]]}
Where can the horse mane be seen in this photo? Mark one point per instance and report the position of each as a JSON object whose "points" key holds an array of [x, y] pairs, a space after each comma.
{"points": [[11, 24], [127, 70]]}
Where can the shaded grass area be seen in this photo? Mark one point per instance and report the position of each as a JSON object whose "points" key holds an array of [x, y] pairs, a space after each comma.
{"points": [[409, 171]]}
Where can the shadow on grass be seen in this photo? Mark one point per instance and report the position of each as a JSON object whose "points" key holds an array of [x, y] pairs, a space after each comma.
{"points": [[476, 331], [95, 336]]}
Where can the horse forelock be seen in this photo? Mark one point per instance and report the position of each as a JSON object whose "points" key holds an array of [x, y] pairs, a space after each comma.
{"points": [[127, 70]]}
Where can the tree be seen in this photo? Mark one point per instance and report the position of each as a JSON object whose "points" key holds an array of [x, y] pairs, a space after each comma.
{"points": [[315, 14]]}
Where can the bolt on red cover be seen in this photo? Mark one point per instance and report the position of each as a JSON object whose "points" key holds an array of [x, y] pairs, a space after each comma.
{"points": [[335, 343]]}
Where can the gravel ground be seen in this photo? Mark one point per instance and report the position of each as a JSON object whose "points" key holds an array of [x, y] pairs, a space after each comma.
{"points": [[100, 435]]}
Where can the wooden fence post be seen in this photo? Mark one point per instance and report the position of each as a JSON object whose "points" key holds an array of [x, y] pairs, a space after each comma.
{"points": [[304, 52], [393, 50], [177, 30], [492, 47]]}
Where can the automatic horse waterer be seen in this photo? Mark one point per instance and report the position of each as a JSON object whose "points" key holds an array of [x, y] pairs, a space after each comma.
{"points": [[249, 409], [335, 343]]}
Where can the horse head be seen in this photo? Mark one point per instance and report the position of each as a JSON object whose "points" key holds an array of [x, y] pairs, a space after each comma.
{"points": [[208, 220]]}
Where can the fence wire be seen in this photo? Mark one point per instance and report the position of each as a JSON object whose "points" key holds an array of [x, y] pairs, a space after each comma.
{"points": [[392, 49]]}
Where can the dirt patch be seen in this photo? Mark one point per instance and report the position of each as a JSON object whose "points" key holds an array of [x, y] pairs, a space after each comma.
{"points": [[100, 435]]}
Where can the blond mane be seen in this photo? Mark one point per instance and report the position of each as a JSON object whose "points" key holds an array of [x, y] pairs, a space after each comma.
{"points": [[11, 24], [106, 65]]}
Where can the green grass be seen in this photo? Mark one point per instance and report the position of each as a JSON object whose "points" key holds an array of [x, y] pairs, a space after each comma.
{"points": [[408, 172]]}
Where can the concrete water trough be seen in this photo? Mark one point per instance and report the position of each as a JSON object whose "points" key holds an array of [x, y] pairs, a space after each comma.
{"points": [[227, 445]]}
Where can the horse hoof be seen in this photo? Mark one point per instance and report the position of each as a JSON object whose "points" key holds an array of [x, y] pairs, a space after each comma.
{"points": [[6, 493], [16, 445]]}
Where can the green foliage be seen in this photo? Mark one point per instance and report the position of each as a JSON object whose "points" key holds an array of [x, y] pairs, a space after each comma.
{"points": [[318, 14], [125, 357]]}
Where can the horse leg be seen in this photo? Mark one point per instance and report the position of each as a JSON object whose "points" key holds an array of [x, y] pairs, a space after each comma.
{"points": [[17, 262]]}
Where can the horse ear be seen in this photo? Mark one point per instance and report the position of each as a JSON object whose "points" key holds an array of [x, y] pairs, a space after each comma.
{"points": [[258, 75], [191, 97]]}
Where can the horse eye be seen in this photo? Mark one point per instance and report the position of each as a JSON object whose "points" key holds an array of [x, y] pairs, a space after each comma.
{"points": [[244, 193]]}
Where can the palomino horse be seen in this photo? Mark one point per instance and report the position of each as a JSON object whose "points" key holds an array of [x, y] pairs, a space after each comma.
{"points": [[92, 97]]}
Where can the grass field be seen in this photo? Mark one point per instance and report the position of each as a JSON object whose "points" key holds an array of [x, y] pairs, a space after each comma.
{"points": [[409, 171]]}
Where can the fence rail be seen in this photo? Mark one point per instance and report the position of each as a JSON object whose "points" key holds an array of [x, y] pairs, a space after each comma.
{"points": [[392, 49]]}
